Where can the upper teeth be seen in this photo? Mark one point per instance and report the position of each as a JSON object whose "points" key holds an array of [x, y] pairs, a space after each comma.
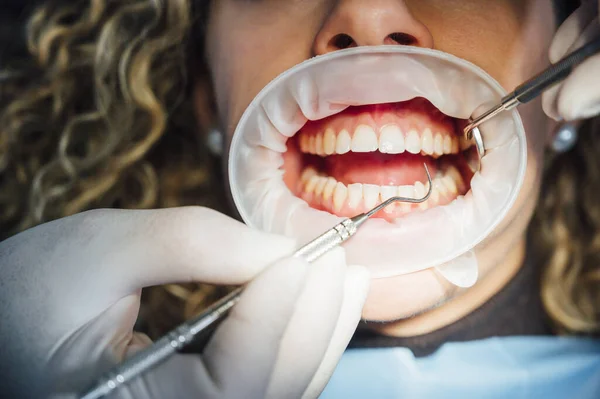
{"points": [[390, 140]]}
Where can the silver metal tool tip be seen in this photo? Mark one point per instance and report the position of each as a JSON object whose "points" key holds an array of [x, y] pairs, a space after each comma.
{"points": [[404, 199]]}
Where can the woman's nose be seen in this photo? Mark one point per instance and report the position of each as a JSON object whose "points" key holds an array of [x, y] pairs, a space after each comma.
{"points": [[353, 23]]}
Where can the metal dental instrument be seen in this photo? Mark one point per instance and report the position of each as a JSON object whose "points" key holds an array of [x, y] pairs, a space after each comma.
{"points": [[523, 94], [183, 335]]}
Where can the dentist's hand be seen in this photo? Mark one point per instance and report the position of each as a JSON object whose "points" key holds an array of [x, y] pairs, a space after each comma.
{"points": [[578, 97], [70, 295]]}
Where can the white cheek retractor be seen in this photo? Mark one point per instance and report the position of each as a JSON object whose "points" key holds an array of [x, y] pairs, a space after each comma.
{"points": [[443, 237]]}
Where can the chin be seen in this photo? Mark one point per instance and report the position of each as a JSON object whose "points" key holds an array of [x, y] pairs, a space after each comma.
{"points": [[402, 297]]}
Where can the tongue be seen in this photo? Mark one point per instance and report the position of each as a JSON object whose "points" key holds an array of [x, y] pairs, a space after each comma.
{"points": [[380, 169]]}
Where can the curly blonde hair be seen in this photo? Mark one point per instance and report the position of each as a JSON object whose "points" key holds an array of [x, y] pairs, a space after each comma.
{"points": [[99, 115], [565, 234]]}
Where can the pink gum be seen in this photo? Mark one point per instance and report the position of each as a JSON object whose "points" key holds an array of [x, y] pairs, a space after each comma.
{"points": [[379, 116]]}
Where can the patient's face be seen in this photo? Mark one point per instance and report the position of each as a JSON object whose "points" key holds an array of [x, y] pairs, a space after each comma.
{"points": [[250, 42]]}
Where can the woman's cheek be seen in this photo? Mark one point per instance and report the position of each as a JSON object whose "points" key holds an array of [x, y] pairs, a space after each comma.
{"points": [[244, 55]]}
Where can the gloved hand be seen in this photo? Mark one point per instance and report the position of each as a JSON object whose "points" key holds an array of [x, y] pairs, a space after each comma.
{"points": [[578, 97], [70, 294]]}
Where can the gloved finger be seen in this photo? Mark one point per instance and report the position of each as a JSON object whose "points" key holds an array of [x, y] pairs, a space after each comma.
{"points": [[238, 360], [550, 98], [356, 289], [310, 329], [189, 376], [589, 33], [244, 355], [32, 365], [550, 102], [78, 356], [191, 244], [570, 31], [181, 376], [579, 97]]}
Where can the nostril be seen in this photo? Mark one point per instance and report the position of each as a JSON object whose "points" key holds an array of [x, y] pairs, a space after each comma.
{"points": [[402, 38], [342, 41]]}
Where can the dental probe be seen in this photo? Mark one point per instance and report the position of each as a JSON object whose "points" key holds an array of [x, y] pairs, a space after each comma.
{"points": [[184, 334], [527, 92]]}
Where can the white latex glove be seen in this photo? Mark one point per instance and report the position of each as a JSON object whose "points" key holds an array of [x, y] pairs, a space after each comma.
{"points": [[70, 294], [578, 97]]}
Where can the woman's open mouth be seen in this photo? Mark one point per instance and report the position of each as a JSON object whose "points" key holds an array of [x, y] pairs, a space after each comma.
{"points": [[349, 162], [336, 135]]}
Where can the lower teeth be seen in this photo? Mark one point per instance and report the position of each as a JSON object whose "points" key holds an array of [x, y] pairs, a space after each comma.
{"points": [[327, 193]]}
